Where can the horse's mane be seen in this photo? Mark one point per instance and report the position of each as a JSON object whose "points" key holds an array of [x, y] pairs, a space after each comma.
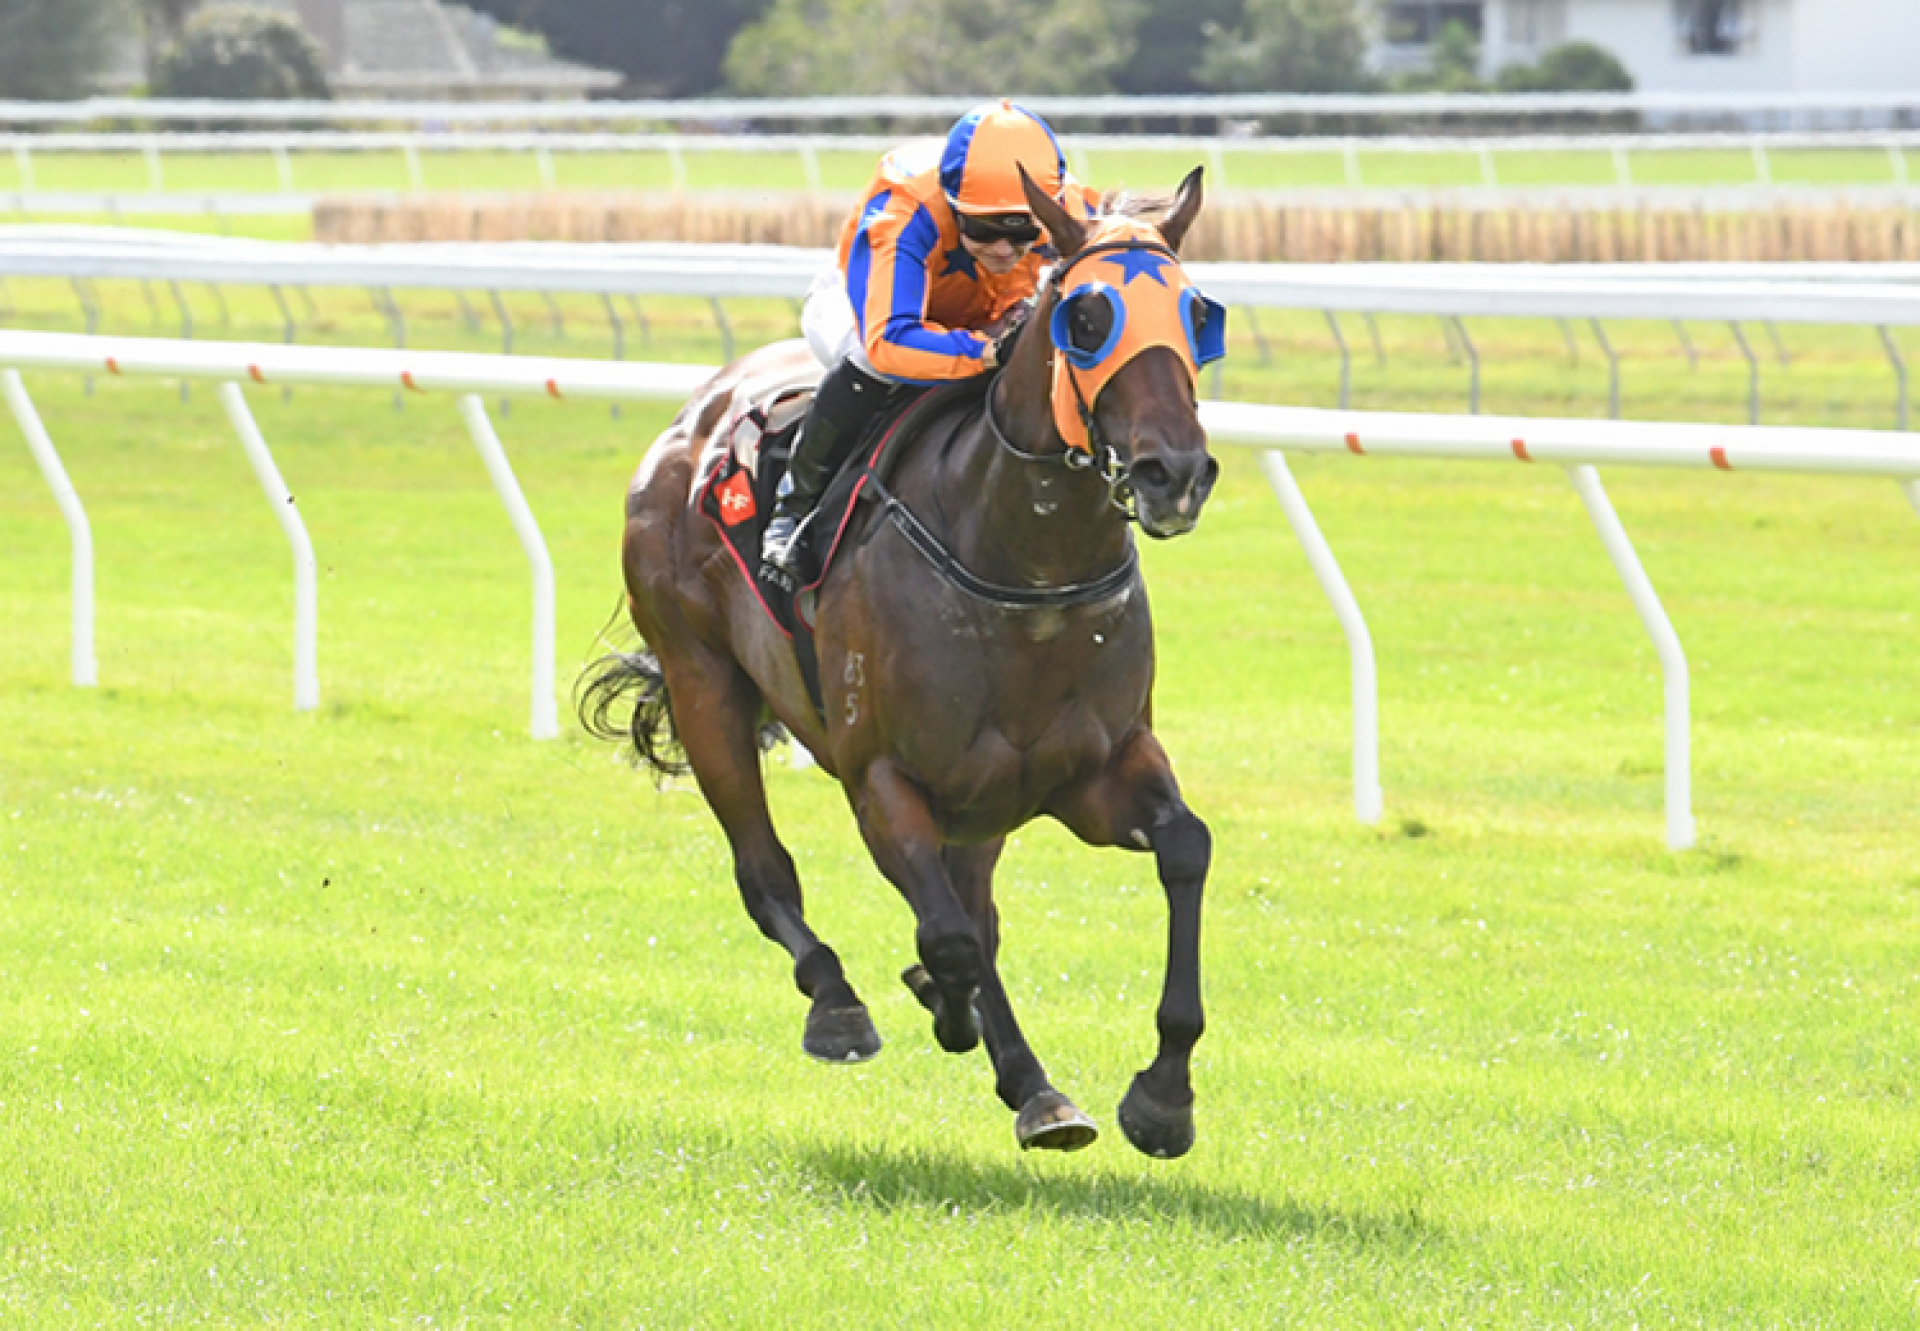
{"points": [[1126, 203]]}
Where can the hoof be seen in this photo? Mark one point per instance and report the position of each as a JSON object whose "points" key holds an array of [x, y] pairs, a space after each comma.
{"points": [[1050, 1122], [1162, 1131], [840, 1034], [956, 1037]]}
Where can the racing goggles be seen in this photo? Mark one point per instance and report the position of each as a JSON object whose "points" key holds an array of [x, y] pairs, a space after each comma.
{"points": [[989, 228]]}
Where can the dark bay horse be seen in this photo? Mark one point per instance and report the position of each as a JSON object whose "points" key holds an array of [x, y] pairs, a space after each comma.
{"points": [[960, 704]]}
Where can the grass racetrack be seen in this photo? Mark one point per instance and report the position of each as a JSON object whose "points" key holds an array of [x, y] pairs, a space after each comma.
{"points": [[386, 1014]]}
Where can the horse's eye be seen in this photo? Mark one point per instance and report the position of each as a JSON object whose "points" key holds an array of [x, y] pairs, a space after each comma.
{"points": [[1091, 321], [1197, 316]]}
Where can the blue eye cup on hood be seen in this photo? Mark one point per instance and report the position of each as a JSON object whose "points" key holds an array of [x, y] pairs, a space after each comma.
{"points": [[1060, 326], [1206, 323]]}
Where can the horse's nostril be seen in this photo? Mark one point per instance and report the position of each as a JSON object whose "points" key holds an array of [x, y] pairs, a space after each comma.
{"points": [[1151, 474], [1208, 477]]}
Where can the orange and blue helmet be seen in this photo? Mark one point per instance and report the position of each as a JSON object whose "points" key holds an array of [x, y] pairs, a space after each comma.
{"points": [[980, 167]]}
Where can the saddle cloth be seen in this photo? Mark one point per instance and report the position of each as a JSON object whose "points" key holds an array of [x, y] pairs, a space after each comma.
{"points": [[738, 492]]}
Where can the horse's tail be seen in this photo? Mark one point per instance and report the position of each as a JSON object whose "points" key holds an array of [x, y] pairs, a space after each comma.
{"points": [[620, 680]]}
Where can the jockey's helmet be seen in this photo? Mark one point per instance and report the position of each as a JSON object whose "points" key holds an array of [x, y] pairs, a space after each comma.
{"points": [[979, 170]]}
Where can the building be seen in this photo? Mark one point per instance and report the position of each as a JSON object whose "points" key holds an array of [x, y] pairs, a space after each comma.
{"points": [[418, 49], [1708, 46]]}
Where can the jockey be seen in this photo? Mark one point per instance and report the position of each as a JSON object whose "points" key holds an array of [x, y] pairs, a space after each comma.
{"points": [[940, 250]]}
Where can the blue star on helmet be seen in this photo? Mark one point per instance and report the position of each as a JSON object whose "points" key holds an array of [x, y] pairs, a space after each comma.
{"points": [[959, 261], [1135, 263]]}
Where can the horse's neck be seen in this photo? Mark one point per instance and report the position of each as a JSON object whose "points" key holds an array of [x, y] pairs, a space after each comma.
{"points": [[1023, 522]]}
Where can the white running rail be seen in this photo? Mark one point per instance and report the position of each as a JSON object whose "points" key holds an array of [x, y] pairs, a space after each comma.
{"points": [[285, 147], [1577, 446], [1846, 107]]}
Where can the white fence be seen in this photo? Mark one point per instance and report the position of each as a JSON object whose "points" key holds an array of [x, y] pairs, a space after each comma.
{"points": [[1578, 446], [1882, 296], [1778, 108], [412, 147]]}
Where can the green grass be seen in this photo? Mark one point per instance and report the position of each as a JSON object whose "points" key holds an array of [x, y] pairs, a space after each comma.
{"points": [[323, 173], [388, 1014]]}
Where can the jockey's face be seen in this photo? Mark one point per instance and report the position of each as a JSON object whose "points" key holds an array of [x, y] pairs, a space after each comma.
{"points": [[997, 242], [999, 258]]}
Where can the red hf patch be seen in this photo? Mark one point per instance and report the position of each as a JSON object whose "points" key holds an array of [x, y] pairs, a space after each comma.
{"points": [[736, 498]]}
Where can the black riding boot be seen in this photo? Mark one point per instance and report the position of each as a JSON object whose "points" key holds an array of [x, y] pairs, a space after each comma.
{"points": [[846, 400]]}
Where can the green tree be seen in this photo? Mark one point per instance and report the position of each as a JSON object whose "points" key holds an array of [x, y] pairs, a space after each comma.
{"points": [[970, 47], [230, 51], [54, 49], [1574, 67], [1453, 66], [1288, 46], [164, 22], [1170, 42]]}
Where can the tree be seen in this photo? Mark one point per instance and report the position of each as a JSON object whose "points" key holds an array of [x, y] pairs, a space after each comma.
{"points": [[54, 49], [665, 48], [1574, 67], [1288, 46], [1170, 42], [969, 47], [231, 51], [165, 21], [1453, 66]]}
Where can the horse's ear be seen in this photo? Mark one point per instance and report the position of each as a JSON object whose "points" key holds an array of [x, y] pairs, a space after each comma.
{"points": [[1186, 207], [1067, 234]]}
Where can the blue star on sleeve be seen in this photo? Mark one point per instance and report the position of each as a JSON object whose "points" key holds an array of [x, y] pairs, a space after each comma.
{"points": [[1134, 263], [959, 261]]}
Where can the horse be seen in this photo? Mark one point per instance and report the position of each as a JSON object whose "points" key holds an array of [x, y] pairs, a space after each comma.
{"points": [[988, 652]]}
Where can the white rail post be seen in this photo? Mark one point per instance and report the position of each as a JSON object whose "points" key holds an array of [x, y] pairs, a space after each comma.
{"points": [[1762, 168], [156, 179], [283, 166], [306, 609], [545, 712], [1350, 159], [676, 165], [416, 176], [543, 160], [23, 162], [1489, 176], [1622, 167], [1216, 162], [810, 166], [85, 668], [1912, 489], [1367, 799], [1899, 161], [1666, 643]]}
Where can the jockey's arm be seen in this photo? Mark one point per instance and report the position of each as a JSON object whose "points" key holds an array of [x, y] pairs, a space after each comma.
{"points": [[889, 271]]}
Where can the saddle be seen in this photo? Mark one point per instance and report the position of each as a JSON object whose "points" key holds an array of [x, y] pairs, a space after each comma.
{"points": [[738, 494]]}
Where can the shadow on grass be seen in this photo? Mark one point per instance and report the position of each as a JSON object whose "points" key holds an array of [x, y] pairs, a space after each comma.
{"points": [[889, 1179]]}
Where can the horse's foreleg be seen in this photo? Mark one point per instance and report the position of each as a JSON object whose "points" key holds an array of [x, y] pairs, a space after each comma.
{"points": [[715, 713], [1046, 1119], [904, 839], [1136, 803]]}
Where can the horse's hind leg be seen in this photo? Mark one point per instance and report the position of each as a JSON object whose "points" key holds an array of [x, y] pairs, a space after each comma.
{"points": [[1046, 1119], [716, 713]]}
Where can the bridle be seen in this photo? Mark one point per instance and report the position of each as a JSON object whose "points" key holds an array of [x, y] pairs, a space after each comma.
{"points": [[1100, 457]]}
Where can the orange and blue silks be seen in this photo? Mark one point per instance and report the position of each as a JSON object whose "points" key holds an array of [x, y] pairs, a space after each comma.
{"points": [[918, 296]]}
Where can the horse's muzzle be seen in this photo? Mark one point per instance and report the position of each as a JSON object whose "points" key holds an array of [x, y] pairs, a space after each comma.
{"points": [[1169, 490]]}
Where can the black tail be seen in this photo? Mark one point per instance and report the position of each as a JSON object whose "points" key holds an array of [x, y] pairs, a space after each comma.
{"points": [[622, 679]]}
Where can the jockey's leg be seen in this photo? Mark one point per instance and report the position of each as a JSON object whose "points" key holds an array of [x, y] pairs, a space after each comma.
{"points": [[846, 400]]}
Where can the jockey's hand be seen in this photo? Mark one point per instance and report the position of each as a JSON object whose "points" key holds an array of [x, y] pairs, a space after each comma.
{"points": [[1005, 331]]}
